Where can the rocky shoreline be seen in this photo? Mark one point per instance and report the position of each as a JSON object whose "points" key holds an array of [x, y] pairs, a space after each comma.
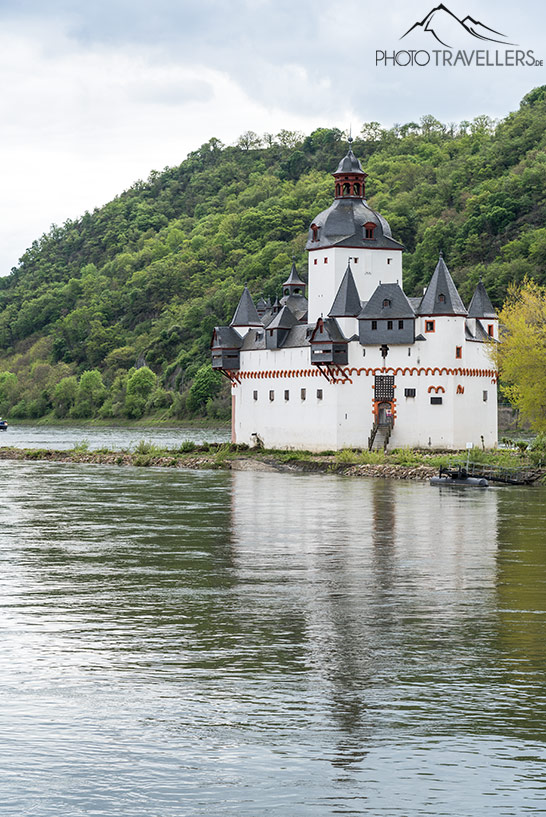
{"points": [[328, 464]]}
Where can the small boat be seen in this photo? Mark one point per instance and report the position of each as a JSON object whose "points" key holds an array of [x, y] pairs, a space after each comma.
{"points": [[3, 425], [458, 479]]}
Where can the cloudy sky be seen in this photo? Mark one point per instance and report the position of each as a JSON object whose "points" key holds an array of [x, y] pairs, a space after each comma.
{"points": [[95, 95]]}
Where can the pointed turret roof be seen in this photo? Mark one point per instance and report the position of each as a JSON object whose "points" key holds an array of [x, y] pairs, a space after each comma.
{"points": [[294, 279], [284, 320], [246, 313], [347, 301], [349, 163], [441, 296], [480, 305]]}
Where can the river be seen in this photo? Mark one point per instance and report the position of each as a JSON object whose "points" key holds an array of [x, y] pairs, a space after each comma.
{"points": [[179, 643], [112, 437]]}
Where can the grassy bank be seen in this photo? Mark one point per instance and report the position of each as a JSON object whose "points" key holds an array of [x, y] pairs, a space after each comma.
{"points": [[399, 464]]}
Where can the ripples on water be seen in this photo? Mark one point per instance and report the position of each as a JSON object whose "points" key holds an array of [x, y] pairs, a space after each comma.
{"points": [[183, 643], [113, 437]]}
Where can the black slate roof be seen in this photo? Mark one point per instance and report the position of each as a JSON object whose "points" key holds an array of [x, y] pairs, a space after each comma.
{"points": [[342, 225], [350, 164], [294, 279], [480, 305], [284, 320], [225, 337], [246, 313], [331, 332], [400, 306], [441, 284], [347, 301]]}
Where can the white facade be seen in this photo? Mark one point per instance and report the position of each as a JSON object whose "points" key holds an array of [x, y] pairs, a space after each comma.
{"points": [[444, 392]]}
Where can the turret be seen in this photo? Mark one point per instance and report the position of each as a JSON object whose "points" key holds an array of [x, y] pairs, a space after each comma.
{"points": [[246, 315]]}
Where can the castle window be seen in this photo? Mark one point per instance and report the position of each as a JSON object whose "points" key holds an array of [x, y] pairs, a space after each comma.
{"points": [[386, 303], [400, 324], [303, 394], [314, 230], [346, 189], [389, 260], [356, 189], [490, 330], [435, 401], [442, 298], [389, 324], [326, 260], [319, 394], [286, 291], [255, 395], [314, 261], [369, 230], [430, 326], [409, 392], [272, 395], [374, 325], [458, 351], [355, 260], [286, 394], [485, 397]]}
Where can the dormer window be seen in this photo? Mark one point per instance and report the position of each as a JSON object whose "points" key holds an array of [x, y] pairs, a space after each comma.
{"points": [[442, 298], [314, 230], [369, 229], [386, 303]]}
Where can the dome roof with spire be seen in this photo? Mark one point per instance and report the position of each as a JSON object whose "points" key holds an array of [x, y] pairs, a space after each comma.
{"points": [[349, 221], [350, 164]]}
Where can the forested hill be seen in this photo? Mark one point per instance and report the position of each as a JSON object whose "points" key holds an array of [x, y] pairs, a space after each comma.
{"points": [[143, 280]]}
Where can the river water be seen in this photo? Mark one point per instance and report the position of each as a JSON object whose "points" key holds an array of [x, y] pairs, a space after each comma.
{"points": [[180, 643], [113, 437]]}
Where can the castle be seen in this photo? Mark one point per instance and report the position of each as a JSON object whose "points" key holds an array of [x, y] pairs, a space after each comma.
{"points": [[357, 363]]}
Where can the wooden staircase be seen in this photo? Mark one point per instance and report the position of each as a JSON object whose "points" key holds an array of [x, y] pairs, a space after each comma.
{"points": [[379, 436]]}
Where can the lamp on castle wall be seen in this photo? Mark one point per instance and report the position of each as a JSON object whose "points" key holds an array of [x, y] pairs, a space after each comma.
{"points": [[384, 351]]}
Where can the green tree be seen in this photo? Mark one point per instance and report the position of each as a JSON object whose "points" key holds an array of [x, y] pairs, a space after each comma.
{"points": [[64, 395], [140, 385], [521, 357], [205, 387], [90, 394]]}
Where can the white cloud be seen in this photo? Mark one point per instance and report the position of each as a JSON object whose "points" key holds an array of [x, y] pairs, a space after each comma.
{"points": [[95, 95]]}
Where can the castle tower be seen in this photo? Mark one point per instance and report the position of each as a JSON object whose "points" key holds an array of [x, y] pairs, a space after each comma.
{"points": [[349, 228]]}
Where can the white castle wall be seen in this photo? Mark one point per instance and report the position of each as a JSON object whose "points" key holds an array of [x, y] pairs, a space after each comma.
{"points": [[343, 418]]}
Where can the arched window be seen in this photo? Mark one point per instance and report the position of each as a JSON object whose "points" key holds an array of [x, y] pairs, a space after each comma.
{"points": [[369, 229], [338, 190], [442, 298], [356, 189], [346, 189], [386, 304], [314, 230]]}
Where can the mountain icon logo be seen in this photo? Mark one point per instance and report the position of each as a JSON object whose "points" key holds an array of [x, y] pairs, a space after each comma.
{"points": [[443, 25]]}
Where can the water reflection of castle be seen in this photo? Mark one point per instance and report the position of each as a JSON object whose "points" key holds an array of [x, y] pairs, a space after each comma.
{"points": [[375, 575]]}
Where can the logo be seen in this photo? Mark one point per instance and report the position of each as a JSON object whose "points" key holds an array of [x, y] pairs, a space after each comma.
{"points": [[442, 24], [460, 41]]}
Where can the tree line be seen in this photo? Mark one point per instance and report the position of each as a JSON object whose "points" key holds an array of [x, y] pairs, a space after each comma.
{"points": [[138, 285]]}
